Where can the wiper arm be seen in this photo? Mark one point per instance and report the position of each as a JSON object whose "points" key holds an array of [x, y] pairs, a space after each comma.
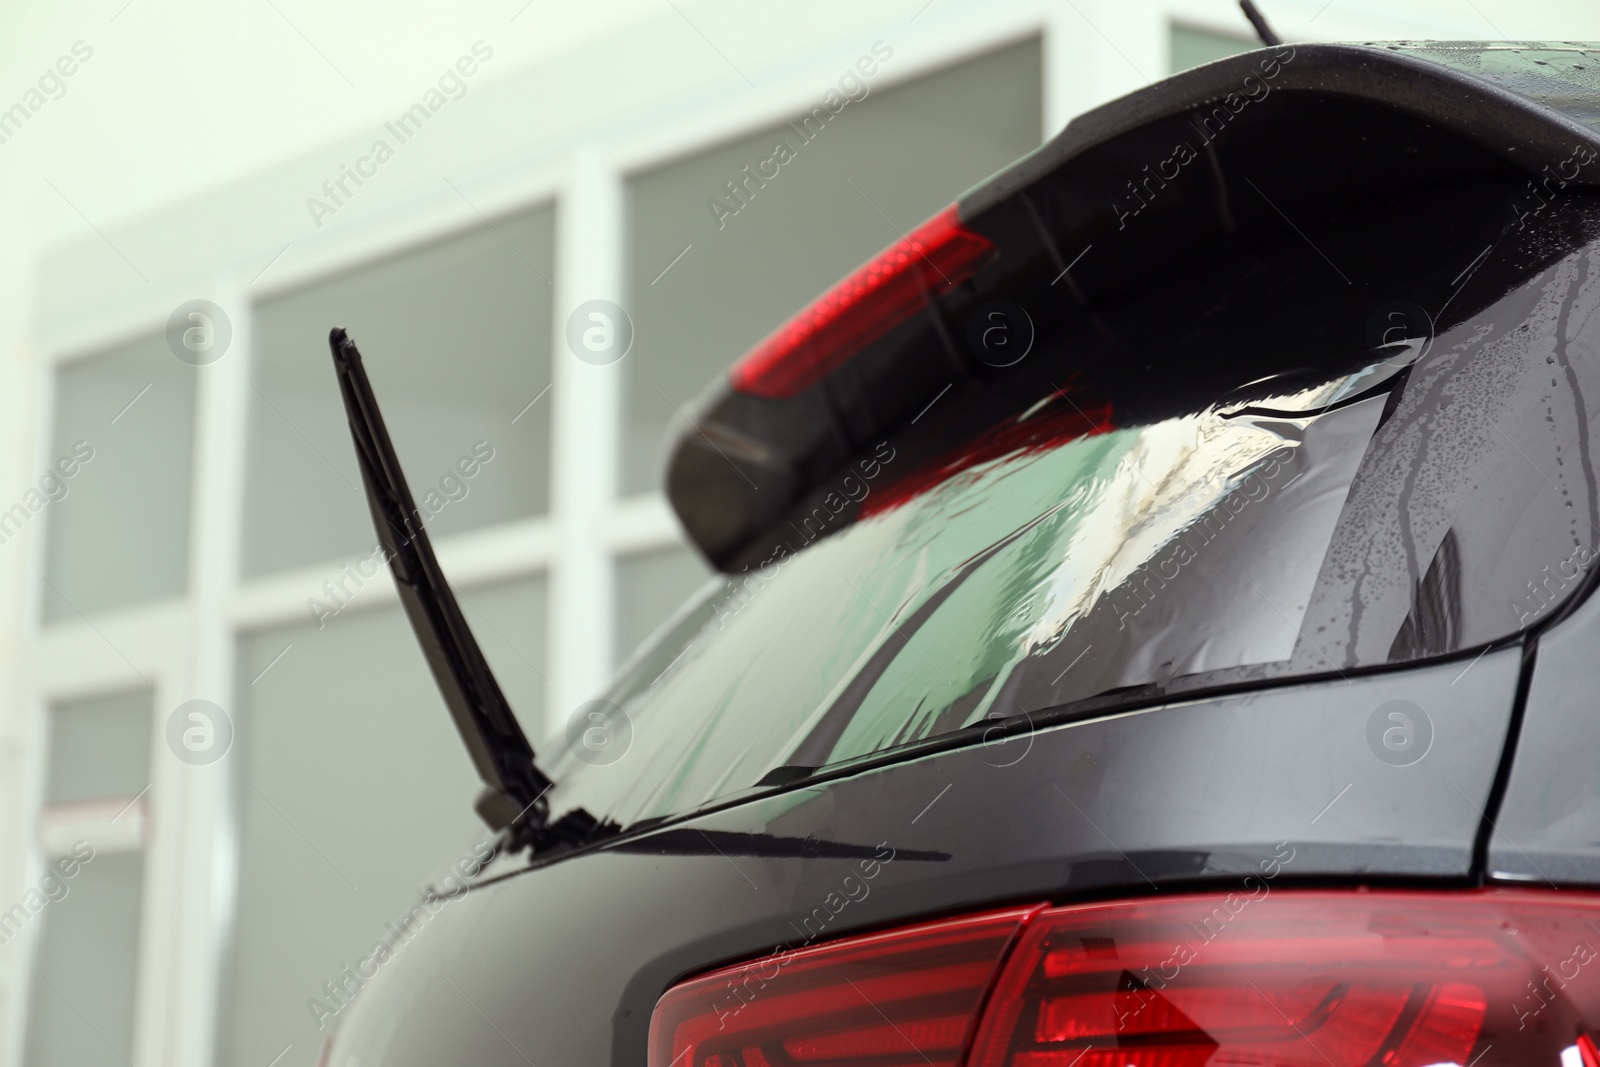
{"points": [[513, 797]]}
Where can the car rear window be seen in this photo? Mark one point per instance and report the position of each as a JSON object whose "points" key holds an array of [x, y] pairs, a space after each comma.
{"points": [[1258, 472]]}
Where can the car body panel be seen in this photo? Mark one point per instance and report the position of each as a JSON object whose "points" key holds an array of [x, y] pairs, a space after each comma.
{"points": [[1548, 826], [1212, 789]]}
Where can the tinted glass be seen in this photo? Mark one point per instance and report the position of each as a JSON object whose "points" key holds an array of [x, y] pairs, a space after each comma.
{"points": [[650, 586], [1240, 502]]}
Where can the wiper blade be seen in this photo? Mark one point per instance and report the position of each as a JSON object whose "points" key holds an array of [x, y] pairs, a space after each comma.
{"points": [[513, 797]]}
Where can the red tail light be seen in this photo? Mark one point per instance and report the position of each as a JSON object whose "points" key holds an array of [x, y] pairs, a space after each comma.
{"points": [[886, 291], [857, 1001], [1250, 979]]}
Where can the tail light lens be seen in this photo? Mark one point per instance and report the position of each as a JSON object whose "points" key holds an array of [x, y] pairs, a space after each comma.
{"points": [[1401, 980], [1249, 979], [863, 1000], [883, 293]]}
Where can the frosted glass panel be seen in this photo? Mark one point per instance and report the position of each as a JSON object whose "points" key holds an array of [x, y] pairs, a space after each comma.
{"points": [[353, 789], [118, 523], [1190, 47], [80, 1009], [878, 167], [99, 747], [650, 587], [456, 338]]}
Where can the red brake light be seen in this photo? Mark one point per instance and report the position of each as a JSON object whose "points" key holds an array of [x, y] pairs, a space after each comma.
{"points": [[1256, 978], [880, 999], [886, 291]]}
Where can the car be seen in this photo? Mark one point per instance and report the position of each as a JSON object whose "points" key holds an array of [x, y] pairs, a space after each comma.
{"points": [[1154, 626]]}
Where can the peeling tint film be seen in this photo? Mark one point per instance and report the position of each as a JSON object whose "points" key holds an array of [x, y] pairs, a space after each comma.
{"points": [[1437, 500]]}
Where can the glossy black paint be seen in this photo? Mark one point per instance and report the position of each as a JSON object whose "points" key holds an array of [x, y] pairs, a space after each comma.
{"points": [[563, 963], [1528, 102]]}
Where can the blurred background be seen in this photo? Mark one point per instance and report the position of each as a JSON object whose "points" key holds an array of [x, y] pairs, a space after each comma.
{"points": [[212, 713]]}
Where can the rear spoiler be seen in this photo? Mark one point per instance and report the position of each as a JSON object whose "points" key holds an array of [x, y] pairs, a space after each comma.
{"points": [[1150, 184]]}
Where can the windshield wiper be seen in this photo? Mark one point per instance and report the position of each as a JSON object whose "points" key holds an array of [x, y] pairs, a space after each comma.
{"points": [[513, 797]]}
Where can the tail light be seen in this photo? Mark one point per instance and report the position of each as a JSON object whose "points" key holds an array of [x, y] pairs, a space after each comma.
{"points": [[860, 1000], [1248, 979], [883, 293]]}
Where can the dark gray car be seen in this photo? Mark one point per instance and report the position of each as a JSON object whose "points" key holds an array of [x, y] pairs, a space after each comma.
{"points": [[1154, 626]]}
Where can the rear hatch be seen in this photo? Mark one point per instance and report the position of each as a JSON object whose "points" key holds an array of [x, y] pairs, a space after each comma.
{"points": [[1148, 523], [1285, 382]]}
